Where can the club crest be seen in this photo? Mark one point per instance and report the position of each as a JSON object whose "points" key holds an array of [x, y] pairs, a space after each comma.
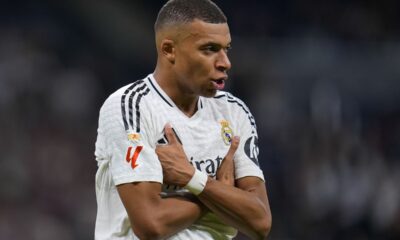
{"points": [[226, 132]]}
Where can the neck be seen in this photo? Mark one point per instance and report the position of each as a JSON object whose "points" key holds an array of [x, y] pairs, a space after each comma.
{"points": [[187, 103]]}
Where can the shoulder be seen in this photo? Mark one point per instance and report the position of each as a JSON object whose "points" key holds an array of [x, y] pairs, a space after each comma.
{"points": [[230, 101], [126, 102], [127, 95], [226, 101], [138, 87]]}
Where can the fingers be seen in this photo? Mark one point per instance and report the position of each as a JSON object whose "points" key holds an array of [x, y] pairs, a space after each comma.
{"points": [[170, 134], [226, 172], [233, 147]]}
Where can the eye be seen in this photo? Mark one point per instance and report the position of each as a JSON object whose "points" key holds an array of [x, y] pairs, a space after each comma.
{"points": [[227, 49], [211, 48]]}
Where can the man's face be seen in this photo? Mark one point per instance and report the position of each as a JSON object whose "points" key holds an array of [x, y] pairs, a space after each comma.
{"points": [[201, 60]]}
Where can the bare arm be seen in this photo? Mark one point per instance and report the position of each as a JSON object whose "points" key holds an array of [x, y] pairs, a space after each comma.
{"points": [[153, 217], [252, 185], [244, 207]]}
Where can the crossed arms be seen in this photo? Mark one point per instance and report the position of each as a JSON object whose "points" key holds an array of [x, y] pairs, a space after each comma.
{"points": [[242, 204]]}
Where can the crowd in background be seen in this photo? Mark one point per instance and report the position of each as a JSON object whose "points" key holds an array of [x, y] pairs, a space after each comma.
{"points": [[321, 78]]}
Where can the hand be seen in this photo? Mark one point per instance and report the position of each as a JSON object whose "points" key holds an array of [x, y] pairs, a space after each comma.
{"points": [[176, 167], [226, 172]]}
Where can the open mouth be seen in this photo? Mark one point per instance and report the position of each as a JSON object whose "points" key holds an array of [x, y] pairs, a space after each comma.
{"points": [[219, 83]]}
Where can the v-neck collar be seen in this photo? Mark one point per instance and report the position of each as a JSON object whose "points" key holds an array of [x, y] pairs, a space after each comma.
{"points": [[164, 96]]}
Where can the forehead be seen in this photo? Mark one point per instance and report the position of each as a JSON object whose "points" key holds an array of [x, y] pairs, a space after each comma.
{"points": [[202, 32]]}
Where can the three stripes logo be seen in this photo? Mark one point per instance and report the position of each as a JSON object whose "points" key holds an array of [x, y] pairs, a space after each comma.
{"points": [[130, 104], [130, 109]]}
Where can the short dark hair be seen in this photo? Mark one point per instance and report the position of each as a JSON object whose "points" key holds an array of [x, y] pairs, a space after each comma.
{"points": [[185, 11]]}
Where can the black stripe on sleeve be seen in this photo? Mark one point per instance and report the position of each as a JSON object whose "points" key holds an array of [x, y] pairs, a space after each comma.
{"points": [[123, 102], [139, 98], [251, 118], [232, 99], [130, 107]]}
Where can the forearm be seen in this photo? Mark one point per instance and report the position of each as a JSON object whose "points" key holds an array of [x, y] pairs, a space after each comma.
{"points": [[175, 214], [243, 205], [153, 217], [241, 209]]}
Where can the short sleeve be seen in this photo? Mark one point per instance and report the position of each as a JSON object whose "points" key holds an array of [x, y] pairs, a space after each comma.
{"points": [[246, 157], [123, 125]]}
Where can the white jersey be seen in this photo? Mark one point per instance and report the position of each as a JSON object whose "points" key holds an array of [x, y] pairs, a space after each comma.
{"points": [[131, 124]]}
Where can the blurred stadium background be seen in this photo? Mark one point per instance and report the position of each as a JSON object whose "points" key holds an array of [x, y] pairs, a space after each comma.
{"points": [[321, 77]]}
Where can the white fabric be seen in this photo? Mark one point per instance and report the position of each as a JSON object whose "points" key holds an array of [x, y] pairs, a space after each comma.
{"points": [[197, 183], [202, 140]]}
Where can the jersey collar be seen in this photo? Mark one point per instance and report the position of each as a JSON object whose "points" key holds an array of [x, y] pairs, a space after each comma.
{"points": [[164, 96]]}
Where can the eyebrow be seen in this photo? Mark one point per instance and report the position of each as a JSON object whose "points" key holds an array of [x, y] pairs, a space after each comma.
{"points": [[217, 44]]}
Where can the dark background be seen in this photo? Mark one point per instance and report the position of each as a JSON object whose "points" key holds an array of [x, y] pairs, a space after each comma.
{"points": [[322, 79]]}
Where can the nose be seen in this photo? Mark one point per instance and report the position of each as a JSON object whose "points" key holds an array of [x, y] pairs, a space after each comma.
{"points": [[223, 63]]}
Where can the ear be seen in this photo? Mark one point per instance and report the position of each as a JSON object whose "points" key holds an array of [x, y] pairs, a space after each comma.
{"points": [[168, 49]]}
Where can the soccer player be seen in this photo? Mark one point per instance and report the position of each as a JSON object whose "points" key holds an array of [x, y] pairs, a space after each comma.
{"points": [[177, 156]]}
